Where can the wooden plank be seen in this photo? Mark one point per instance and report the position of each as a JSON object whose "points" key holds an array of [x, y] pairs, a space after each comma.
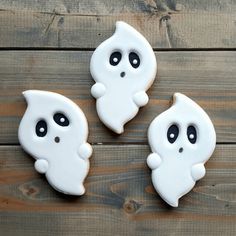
{"points": [[114, 7], [163, 29], [206, 77], [120, 199]]}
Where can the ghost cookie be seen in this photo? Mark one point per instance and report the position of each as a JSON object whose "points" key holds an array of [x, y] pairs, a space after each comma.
{"points": [[54, 131], [123, 67], [182, 139]]}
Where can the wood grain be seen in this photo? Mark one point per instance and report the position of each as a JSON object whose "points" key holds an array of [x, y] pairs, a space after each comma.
{"points": [[85, 24], [114, 7], [206, 77], [120, 199]]}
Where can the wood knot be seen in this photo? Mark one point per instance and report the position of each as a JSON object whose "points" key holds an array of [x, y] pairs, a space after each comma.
{"points": [[5, 201], [165, 18], [131, 206], [29, 190], [61, 21]]}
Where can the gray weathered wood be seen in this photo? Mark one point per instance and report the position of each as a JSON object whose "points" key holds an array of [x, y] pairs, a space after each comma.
{"points": [[85, 24], [114, 7], [206, 77], [120, 199]]}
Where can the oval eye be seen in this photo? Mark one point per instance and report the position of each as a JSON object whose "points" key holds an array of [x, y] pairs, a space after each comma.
{"points": [[61, 119], [115, 58], [192, 134], [172, 133], [134, 60], [41, 128]]}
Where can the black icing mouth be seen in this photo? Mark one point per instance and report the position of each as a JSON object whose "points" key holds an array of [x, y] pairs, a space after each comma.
{"points": [[57, 139], [122, 74], [181, 150]]}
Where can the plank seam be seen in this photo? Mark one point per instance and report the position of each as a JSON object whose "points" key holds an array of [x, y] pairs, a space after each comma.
{"points": [[92, 49], [117, 144]]}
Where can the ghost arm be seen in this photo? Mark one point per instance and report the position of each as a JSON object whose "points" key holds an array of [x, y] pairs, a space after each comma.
{"points": [[153, 161], [198, 171], [85, 151], [140, 98], [98, 90], [41, 166]]}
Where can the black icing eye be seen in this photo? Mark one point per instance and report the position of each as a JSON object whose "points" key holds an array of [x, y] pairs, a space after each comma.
{"points": [[41, 128], [61, 119], [115, 58], [134, 60], [172, 133], [192, 134]]}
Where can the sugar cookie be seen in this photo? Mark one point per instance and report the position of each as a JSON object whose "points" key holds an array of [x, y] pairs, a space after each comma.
{"points": [[182, 139], [124, 67], [54, 131]]}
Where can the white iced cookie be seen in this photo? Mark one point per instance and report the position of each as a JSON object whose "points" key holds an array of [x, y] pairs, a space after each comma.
{"points": [[182, 139], [124, 67], [54, 131]]}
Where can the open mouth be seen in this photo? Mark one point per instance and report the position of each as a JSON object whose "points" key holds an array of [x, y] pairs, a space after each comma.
{"points": [[122, 74], [57, 139]]}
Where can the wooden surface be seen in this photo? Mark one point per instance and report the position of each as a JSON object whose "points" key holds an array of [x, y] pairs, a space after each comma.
{"points": [[47, 45], [120, 199], [207, 77], [85, 24]]}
